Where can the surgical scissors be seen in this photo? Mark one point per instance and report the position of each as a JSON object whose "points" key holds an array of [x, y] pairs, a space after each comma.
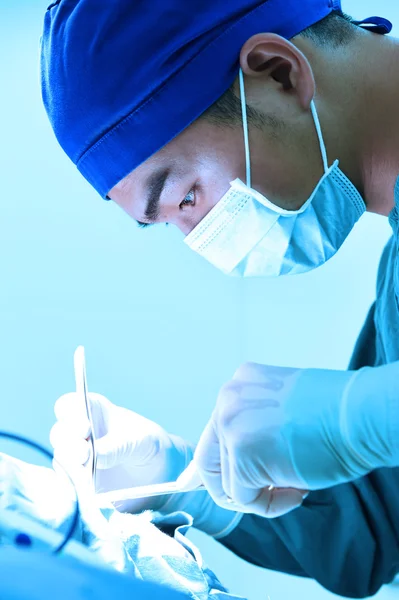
{"points": [[82, 391]]}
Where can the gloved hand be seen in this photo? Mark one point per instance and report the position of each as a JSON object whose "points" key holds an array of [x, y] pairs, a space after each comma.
{"points": [[297, 428], [132, 450]]}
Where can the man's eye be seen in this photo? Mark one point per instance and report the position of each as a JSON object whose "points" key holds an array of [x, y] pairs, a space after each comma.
{"points": [[188, 200]]}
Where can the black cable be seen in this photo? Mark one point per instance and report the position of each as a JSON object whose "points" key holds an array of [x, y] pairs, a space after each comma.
{"points": [[48, 454]]}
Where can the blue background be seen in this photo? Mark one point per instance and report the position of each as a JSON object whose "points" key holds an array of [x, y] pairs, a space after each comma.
{"points": [[162, 329]]}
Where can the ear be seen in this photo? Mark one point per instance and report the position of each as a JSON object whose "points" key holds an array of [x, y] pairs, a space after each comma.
{"points": [[270, 55]]}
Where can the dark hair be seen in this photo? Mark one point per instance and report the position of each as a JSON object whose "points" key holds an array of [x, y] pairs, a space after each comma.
{"points": [[337, 29], [227, 112]]}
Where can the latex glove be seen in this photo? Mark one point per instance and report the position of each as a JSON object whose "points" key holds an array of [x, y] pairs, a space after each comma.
{"points": [[132, 450], [297, 428]]}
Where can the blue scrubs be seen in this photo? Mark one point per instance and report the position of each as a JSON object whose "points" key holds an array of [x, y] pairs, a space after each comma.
{"points": [[345, 537]]}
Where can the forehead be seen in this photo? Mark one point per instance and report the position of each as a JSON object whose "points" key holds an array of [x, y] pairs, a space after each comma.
{"points": [[199, 146], [172, 156]]}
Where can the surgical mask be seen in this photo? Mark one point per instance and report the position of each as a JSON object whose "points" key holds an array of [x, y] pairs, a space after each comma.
{"points": [[247, 235]]}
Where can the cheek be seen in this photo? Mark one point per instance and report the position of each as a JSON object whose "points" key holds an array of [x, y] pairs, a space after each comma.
{"points": [[226, 162], [286, 168], [187, 220], [277, 173]]}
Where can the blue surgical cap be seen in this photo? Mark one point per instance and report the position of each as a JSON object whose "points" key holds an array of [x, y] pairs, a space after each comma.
{"points": [[122, 78]]}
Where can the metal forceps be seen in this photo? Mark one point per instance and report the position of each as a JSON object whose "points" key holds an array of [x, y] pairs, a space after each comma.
{"points": [[154, 489], [82, 391]]}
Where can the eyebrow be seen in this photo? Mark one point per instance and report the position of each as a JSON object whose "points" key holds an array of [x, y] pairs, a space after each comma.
{"points": [[155, 184]]}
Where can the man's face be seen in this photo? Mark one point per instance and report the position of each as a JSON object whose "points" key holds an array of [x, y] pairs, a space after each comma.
{"points": [[182, 182]]}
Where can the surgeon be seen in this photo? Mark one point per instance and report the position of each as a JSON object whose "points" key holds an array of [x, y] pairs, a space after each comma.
{"points": [[263, 130]]}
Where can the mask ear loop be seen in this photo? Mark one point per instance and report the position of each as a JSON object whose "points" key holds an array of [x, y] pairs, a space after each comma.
{"points": [[245, 128], [319, 135]]}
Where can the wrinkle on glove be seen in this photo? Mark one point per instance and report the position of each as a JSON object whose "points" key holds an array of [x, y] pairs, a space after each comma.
{"points": [[297, 430]]}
